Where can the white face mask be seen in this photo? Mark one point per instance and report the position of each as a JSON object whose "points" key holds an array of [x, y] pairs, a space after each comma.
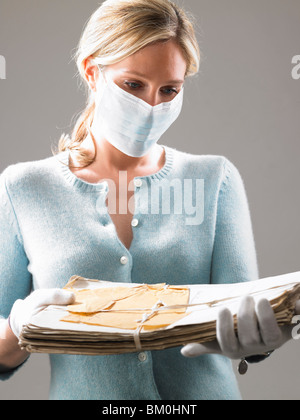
{"points": [[129, 123]]}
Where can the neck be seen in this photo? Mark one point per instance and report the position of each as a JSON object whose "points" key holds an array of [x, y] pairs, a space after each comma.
{"points": [[113, 160], [111, 157]]}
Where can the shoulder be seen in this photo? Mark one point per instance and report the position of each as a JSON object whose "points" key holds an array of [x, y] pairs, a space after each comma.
{"points": [[21, 175], [205, 164]]}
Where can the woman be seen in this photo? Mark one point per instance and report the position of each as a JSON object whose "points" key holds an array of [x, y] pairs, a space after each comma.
{"points": [[93, 210]]}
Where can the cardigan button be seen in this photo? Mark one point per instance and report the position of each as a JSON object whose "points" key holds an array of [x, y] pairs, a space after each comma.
{"points": [[134, 222], [142, 357], [138, 182], [124, 260]]}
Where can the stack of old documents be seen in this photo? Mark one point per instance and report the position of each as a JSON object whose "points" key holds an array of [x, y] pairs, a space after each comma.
{"points": [[113, 318]]}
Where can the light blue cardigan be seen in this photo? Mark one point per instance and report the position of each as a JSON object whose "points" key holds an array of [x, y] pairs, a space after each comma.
{"points": [[54, 225]]}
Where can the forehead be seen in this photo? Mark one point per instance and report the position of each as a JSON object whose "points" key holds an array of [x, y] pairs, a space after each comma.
{"points": [[164, 60]]}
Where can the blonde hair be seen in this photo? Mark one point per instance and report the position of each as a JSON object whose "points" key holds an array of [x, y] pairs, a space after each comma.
{"points": [[118, 29]]}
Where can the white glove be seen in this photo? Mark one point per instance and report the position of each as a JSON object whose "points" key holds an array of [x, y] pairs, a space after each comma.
{"points": [[258, 332], [23, 310]]}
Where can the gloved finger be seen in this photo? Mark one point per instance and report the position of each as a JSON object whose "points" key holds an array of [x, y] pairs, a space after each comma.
{"points": [[270, 331], [45, 297], [248, 331], [226, 336], [196, 349], [62, 297]]}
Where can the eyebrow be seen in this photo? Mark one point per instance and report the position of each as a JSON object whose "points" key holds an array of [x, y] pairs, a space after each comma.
{"points": [[136, 73]]}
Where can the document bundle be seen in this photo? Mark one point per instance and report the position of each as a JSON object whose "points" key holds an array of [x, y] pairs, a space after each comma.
{"points": [[113, 318]]}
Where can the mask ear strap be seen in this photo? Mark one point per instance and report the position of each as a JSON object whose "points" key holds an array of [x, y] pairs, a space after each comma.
{"points": [[102, 80], [101, 68]]}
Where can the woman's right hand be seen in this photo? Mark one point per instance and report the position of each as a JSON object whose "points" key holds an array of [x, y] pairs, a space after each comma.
{"points": [[23, 310]]}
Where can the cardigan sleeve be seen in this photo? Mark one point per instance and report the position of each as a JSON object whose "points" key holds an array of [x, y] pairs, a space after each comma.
{"points": [[15, 279], [234, 255]]}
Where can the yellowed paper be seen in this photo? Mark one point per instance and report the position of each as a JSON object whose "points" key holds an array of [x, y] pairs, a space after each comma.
{"points": [[125, 307], [125, 320]]}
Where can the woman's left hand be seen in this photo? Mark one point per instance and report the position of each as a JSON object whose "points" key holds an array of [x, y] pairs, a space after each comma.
{"points": [[258, 332]]}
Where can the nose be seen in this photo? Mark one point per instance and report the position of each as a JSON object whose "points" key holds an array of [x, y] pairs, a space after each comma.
{"points": [[152, 98]]}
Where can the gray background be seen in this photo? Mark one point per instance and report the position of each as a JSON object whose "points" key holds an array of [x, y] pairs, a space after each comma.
{"points": [[244, 105]]}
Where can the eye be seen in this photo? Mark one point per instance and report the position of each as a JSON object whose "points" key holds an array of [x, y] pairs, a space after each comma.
{"points": [[133, 85], [169, 91]]}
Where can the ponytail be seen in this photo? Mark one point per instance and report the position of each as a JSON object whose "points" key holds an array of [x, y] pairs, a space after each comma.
{"points": [[80, 133]]}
